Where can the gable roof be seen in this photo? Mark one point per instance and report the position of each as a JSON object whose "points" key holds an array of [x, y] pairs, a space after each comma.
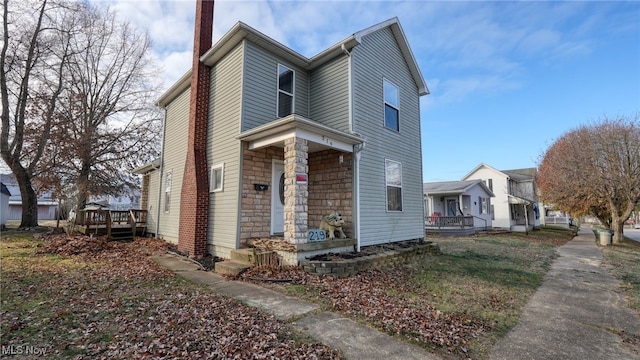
{"points": [[241, 31], [527, 174], [454, 187], [4, 189], [524, 174]]}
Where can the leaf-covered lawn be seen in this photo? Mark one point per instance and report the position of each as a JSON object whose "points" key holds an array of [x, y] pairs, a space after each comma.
{"points": [[457, 304], [85, 298]]}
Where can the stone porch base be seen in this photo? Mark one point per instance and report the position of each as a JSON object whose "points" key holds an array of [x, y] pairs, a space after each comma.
{"points": [[292, 254]]}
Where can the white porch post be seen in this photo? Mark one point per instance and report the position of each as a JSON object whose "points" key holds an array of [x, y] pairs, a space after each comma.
{"points": [[295, 195]]}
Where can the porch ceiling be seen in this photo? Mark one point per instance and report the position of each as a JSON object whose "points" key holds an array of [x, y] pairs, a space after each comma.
{"points": [[320, 136], [518, 200]]}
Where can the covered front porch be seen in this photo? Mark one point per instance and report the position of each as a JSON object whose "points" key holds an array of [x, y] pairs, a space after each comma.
{"points": [[456, 207], [295, 172], [524, 216]]}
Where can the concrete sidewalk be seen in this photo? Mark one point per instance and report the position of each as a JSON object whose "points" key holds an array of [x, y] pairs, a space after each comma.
{"points": [[577, 313], [356, 341]]}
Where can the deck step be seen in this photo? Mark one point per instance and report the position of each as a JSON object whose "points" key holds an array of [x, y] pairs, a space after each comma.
{"points": [[230, 267], [121, 234], [252, 256]]}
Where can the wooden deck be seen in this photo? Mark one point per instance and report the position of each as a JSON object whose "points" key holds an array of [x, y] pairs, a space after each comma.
{"points": [[116, 224], [449, 225]]}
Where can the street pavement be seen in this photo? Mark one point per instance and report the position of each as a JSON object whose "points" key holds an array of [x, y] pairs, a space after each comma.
{"points": [[633, 234]]}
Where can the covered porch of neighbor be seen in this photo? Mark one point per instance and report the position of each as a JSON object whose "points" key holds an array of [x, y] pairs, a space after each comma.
{"points": [[457, 207], [523, 214]]}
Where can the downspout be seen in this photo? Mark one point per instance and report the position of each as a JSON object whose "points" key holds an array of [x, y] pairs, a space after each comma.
{"points": [[356, 178], [358, 150], [164, 129]]}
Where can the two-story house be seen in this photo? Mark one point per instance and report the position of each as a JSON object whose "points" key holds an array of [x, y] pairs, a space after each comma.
{"points": [[290, 139], [515, 205]]}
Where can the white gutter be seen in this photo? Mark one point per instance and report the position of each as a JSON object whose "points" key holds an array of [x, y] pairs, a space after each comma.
{"points": [[164, 129]]}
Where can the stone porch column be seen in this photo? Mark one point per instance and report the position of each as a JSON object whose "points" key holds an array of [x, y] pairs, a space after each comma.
{"points": [[296, 210]]}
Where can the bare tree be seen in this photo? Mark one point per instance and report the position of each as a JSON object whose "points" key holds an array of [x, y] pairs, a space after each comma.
{"points": [[595, 170], [109, 124], [35, 47]]}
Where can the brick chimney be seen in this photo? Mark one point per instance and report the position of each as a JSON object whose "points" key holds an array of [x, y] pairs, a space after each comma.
{"points": [[194, 199]]}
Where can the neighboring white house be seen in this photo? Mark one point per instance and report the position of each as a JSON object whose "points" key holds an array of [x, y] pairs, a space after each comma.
{"points": [[4, 205], [470, 199], [122, 202], [515, 206]]}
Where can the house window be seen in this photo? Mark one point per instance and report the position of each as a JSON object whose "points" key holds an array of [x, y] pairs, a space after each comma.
{"points": [[391, 106], [285, 90], [217, 176], [393, 177], [484, 205], [490, 184], [167, 192]]}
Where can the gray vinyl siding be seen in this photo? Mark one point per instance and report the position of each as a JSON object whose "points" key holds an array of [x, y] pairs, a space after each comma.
{"points": [[330, 94], [175, 154], [378, 58], [224, 148], [261, 86]]}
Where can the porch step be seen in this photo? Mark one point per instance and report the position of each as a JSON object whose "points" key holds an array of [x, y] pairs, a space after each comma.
{"points": [[230, 267], [121, 234], [252, 256]]}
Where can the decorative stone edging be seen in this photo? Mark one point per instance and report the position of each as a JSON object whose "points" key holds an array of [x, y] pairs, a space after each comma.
{"points": [[347, 267]]}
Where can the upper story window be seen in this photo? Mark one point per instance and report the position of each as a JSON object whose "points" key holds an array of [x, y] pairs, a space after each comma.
{"points": [[285, 90], [391, 106]]}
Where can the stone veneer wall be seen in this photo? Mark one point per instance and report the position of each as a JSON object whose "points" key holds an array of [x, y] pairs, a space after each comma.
{"points": [[256, 205], [144, 196], [343, 268], [296, 211], [330, 187]]}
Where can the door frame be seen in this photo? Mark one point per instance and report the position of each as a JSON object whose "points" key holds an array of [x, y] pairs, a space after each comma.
{"points": [[276, 204]]}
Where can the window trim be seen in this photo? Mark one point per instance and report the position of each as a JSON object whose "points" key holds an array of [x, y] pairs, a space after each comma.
{"points": [[213, 185], [291, 94], [395, 107], [387, 185], [168, 182]]}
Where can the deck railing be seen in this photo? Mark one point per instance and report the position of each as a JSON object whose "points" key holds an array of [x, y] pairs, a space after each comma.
{"points": [[93, 219], [448, 221]]}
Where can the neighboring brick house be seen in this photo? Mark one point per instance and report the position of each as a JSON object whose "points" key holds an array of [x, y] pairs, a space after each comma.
{"points": [[515, 206], [290, 139]]}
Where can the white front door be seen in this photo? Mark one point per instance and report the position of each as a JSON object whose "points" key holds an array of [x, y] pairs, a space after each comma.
{"points": [[277, 197]]}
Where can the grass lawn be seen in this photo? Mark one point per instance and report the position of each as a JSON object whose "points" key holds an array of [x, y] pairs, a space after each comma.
{"points": [[623, 261], [74, 298], [87, 298], [457, 304]]}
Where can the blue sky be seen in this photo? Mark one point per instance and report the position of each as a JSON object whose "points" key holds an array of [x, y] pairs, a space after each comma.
{"points": [[506, 78]]}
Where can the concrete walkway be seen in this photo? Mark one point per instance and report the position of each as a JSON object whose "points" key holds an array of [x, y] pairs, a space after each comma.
{"points": [[577, 313], [356, 341]]}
